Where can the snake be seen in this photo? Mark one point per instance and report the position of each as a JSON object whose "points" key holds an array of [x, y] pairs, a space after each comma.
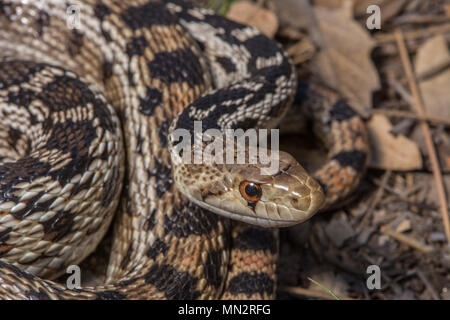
{"points": [[93, 95]]}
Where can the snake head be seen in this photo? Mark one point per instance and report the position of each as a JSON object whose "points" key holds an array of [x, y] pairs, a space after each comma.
{"points": [[243, 193]]}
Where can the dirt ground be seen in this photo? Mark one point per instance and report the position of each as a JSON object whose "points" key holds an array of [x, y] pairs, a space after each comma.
{"points": [[396, 74]]}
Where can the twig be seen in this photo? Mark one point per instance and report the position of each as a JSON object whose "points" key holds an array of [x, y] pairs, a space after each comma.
{"points": [[400, 89], [416, 34], [428, 284], [376, 199], [416, 18], [406, 239], [410, 115], [401, 195], [418, 104]]}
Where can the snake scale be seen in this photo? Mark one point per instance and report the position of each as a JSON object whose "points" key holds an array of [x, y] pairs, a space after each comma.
{"points": [[84, 109]]}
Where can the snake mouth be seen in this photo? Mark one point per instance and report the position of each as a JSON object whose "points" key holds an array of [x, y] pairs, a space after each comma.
{"points": [[265, 222]]}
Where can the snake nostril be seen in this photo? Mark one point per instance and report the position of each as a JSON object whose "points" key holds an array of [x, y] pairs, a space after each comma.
{"points": [[294, 202], [300, 204]]}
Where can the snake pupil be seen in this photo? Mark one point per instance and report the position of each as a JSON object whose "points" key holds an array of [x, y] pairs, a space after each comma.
{"points": [[252, 190]]}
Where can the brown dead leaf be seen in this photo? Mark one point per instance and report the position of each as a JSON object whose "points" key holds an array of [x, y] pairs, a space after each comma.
{"points": [[246, 12], [433, 68], [294, 13], [330, 4], [344, 62], [389, 151]]}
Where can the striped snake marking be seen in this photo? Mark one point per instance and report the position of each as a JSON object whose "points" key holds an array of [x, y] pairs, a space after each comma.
{"points": [[87, 122]]}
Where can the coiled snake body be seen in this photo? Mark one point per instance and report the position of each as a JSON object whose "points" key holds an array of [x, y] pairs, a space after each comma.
{"points": [[160, 65]]}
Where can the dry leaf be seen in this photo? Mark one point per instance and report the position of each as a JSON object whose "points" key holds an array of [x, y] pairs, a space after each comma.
{"points": [[246, 12], [344, 62], [330, 4], [389, 151], [295, 13], [433, 66]]}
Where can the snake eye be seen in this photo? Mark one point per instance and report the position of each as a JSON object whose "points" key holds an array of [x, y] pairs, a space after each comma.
{"points": [[250, 191]]}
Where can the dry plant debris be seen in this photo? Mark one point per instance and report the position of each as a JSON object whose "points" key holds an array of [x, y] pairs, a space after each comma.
{"points": [[406, 156]]}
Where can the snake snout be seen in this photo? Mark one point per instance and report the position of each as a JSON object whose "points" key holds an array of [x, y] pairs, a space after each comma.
{"points": [[295, 190]]}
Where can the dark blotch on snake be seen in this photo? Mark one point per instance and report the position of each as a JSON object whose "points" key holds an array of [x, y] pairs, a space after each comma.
{"points": [[261, 46], [101, 11], [163, 132], [226, 64], [58, 226], [211, 269], [136, 46], [341, 111], [23, 97], [159, 246], [152, 99], [183, 62], [190, 220], [107, 70], [110, 295], [151, 221], [42, 21], [17, 72], [147, 15], [4, 235], [14, 135], [163, 177], [250, 284], [254, 238], [175, 284], [355, 159], [126, 259], [36, 295]]}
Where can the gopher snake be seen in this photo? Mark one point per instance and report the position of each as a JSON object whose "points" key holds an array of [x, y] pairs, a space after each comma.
{"points": [[160, 65]]}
